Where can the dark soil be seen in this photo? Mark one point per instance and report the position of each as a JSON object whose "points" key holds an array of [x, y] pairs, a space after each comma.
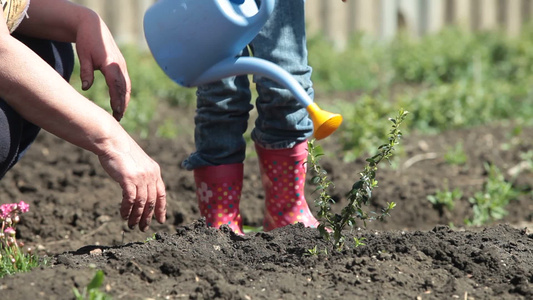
{"points": [[420, 252]]}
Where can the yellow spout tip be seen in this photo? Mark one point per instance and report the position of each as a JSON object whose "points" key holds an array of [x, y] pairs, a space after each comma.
{"points": [[325, 123], [328, 127]]}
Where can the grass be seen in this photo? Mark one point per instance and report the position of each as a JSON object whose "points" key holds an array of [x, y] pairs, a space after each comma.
{"points": [[15, 261], [13, 258]]}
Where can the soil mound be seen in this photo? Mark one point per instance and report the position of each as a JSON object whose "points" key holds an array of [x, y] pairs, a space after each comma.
{"points": [[420, 252]]}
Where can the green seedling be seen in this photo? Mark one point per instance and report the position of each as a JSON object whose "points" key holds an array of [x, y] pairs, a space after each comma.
{"points": [[358, 241], [445, 198], [315, 251], [92, 291], [150, 238], [456, 155], [489, 204], [527, 158], [249, 229], [332, 224]]}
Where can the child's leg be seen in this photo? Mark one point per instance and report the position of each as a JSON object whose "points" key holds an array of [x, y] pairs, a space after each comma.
{"points": [[282, 122], [283, 125], [221, 120]]}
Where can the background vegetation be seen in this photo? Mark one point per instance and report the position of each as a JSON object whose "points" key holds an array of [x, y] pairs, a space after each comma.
{"points": [[453, 79]]}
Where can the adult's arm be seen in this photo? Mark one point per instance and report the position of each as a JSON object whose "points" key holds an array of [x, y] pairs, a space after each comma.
{"points": [[65, 21], [31, 87]]}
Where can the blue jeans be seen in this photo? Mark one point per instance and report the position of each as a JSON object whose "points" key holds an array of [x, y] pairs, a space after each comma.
{"points": [[223, 107], [16, 133]]}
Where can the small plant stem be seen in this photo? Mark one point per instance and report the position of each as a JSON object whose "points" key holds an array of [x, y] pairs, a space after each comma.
{"points": [[333, 224]]}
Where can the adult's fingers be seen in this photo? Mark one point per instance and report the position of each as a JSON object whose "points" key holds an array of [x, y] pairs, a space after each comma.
{"points": [[129, 194], [86, 73], [119, 85], [149, 207], [161, 203], [138, 206]]}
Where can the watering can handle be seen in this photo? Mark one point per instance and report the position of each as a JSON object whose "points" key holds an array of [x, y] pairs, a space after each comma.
{"points": [[265, 10]]}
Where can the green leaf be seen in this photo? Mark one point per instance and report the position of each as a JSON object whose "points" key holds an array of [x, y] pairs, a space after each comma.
{"points": [[357, 185], [77, 293], [97, 280]]}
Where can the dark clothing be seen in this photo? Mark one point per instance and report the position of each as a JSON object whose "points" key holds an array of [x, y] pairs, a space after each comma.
{"points": [[17, 134]]}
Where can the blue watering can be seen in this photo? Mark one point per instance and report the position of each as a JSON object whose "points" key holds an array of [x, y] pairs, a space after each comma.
{"points": [[182, 36]]}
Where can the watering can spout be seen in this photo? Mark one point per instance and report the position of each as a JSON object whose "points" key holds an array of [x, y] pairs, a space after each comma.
{"points": [[324, 122]]}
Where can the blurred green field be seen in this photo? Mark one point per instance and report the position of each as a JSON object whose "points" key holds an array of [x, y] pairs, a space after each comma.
{"points": [[453, 79]]}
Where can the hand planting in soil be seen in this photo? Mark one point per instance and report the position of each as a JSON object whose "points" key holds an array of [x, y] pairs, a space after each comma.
{"points": [[12, 257], [332, 224]]}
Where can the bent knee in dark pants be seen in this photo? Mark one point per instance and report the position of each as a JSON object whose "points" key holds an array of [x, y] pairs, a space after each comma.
{"points": [[16, 133]]}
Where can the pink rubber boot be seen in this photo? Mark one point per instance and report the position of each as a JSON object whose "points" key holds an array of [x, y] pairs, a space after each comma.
{"points": [[218, 189], [283, 174]]}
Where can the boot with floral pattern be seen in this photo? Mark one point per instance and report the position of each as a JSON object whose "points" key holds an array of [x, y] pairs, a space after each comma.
{"points": [[283, 174], [218, 190]]}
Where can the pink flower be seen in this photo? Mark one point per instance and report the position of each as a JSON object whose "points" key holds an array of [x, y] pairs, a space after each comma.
{"points": [[23, 206], [5, 210], [10, 231]]}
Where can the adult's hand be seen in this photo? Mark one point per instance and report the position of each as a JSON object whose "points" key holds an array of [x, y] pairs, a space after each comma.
{"points": [[97, 50], [143, 190], [63, 20]]}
